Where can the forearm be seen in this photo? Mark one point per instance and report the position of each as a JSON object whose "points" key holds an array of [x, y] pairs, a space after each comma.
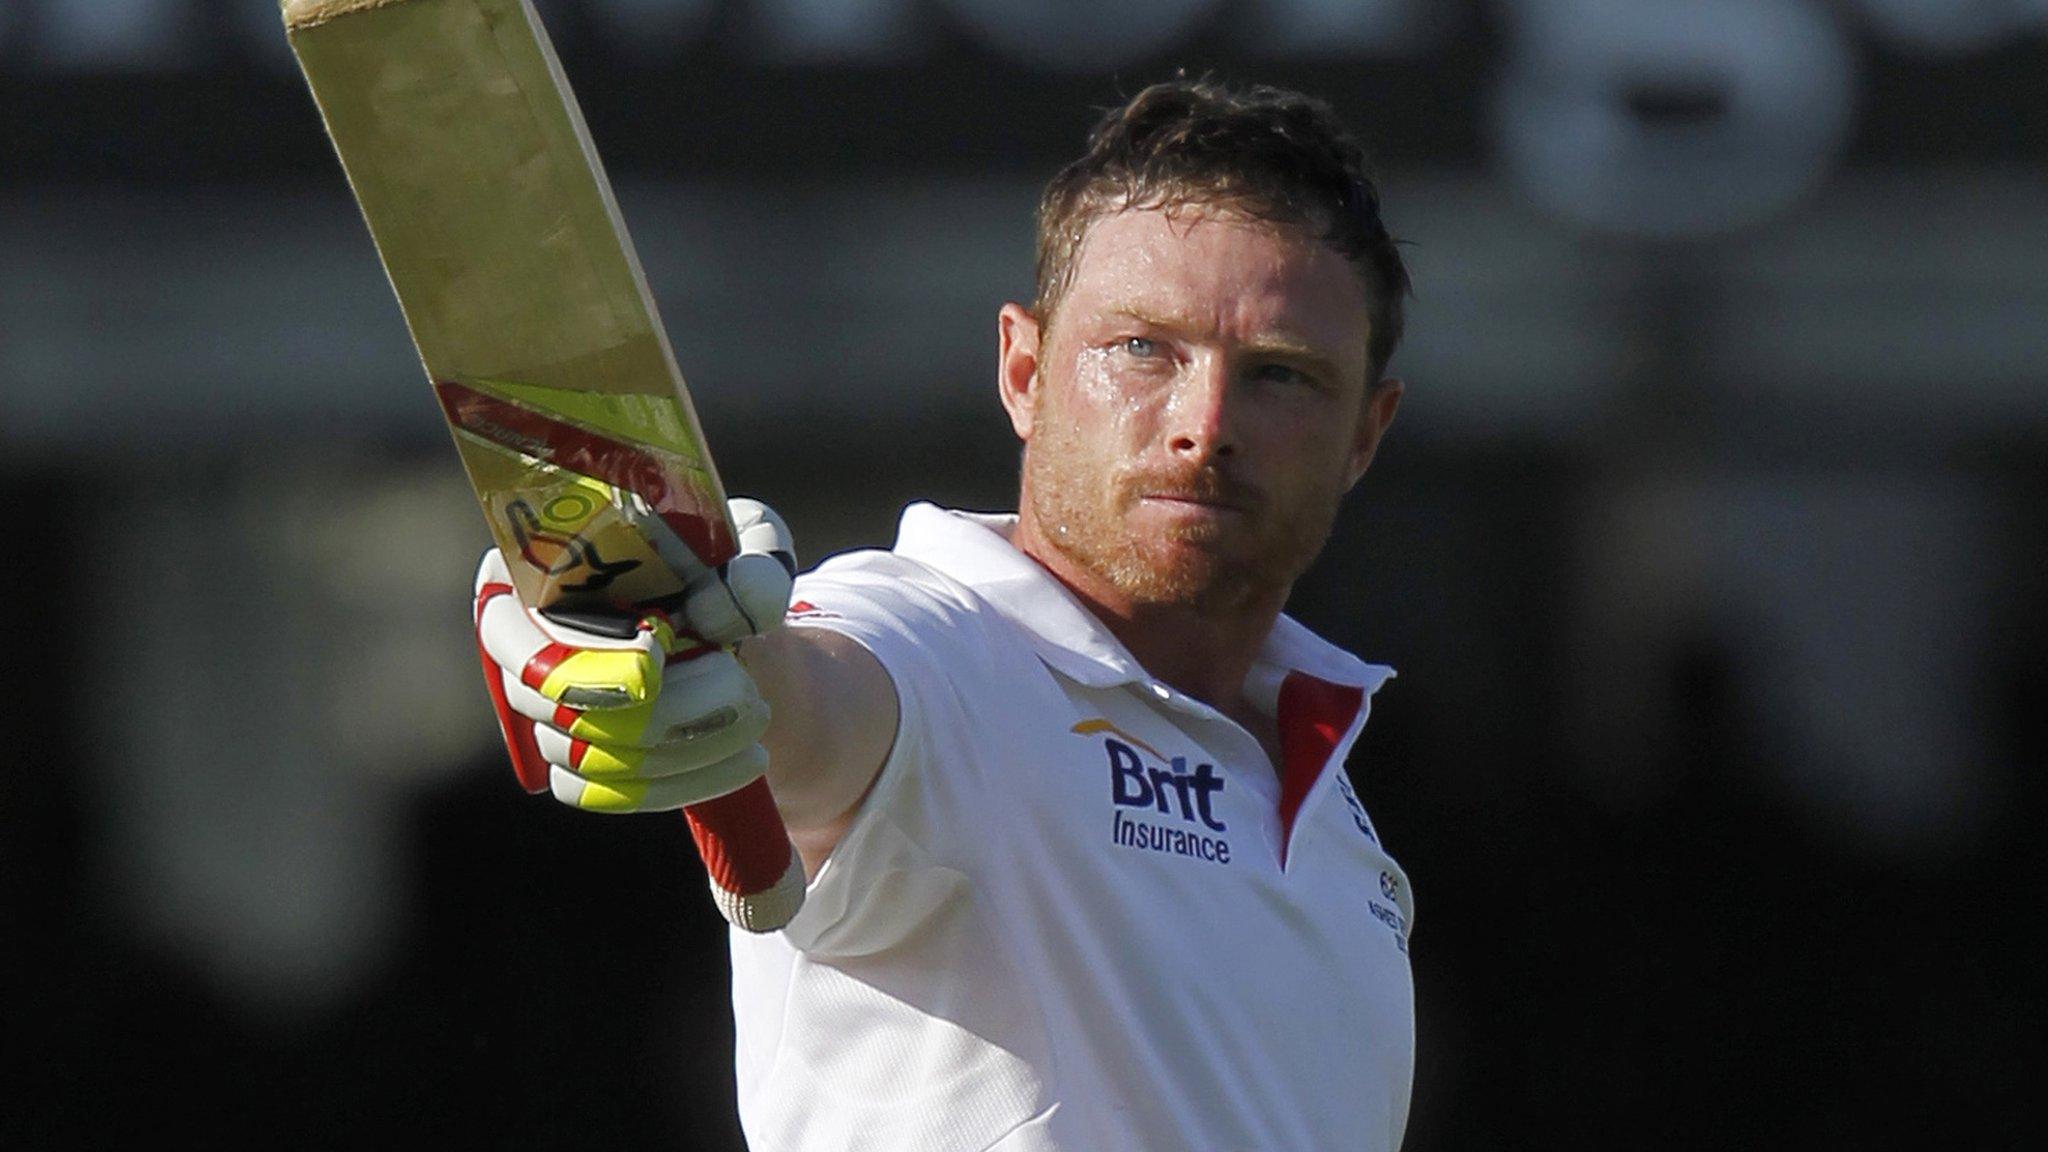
{"points": [[834, 721]]}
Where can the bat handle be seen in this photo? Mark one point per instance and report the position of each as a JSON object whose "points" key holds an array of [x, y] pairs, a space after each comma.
{"points": [[757, 880]]}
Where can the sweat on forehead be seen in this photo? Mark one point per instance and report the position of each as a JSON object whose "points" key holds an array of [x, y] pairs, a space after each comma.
{"points": [[1201, 274], [1263, 153]]}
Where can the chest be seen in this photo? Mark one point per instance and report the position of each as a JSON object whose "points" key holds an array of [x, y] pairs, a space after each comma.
{"points": [[1130, 826], [1133, 868]]}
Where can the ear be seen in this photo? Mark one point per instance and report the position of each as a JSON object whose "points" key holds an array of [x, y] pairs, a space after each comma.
{"points": [[1381, 401], [1017, 366]]}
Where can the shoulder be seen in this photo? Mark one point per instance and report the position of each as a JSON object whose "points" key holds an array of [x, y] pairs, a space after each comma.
{"points": [[925, 627], [871, 576], [878, 588]]}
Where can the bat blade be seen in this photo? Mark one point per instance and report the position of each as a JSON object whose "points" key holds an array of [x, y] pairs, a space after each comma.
{"points": [[504, 244]]}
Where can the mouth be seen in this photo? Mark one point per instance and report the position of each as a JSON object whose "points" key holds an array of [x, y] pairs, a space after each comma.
{"points": [[1188, 505], [1194, 495]]}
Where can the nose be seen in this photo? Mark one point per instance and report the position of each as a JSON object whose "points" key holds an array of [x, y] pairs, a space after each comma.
{"points": [[1200, 428]]}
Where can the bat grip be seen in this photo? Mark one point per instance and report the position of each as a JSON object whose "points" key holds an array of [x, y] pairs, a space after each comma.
{"points": [[757, 880]]}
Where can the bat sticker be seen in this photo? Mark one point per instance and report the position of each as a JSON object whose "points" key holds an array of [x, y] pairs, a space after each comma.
{"points": [[571, 552]]}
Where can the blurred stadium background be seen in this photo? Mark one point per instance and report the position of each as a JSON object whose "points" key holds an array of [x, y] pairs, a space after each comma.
{"points": [[1709, 546]]}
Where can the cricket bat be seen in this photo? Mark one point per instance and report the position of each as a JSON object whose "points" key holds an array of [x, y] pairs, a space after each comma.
{"points": [[500, 234]]}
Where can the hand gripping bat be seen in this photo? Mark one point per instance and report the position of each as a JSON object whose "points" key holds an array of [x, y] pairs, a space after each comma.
{"points": [[475, 172]]}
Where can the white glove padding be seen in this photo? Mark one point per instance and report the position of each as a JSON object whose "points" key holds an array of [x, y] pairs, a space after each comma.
{"points": [[748, 594], [661, 720]]}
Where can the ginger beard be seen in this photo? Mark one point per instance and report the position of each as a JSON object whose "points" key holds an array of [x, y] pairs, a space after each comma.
{"points": [[1088, 505]]}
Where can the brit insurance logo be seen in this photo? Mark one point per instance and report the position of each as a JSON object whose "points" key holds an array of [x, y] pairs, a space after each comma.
{"points": [[1159, 803]]}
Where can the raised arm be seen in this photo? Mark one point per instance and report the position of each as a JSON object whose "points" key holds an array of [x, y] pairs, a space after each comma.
{"points": [[835, 715]]}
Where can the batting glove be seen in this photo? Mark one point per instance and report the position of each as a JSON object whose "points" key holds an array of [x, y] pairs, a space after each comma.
{"points": [[662, 718]]}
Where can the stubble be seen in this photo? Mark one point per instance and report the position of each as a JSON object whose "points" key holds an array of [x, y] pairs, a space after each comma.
{"points": [[1085, 510]]}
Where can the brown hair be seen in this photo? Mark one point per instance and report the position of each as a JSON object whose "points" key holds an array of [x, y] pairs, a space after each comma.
{"points": [[1267, 153]]}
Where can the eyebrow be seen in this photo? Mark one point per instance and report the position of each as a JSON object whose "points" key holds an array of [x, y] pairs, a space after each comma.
{"points": [[1276, 346]]}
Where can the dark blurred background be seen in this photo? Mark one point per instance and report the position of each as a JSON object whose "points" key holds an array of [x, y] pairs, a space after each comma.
{"points": [[1709, 546]]}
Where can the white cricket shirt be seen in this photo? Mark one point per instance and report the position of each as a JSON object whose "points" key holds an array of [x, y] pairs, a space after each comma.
{"points": [[1078, 910]]}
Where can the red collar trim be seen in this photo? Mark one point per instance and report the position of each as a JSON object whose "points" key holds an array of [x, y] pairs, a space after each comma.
{"points": [[1313, 715]]}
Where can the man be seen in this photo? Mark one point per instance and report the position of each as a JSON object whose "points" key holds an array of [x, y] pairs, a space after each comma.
{"points": [[1085, 872]]}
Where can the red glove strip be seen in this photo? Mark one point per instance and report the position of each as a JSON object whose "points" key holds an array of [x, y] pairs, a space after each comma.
{"points": [[543, 662], [516, 729]]}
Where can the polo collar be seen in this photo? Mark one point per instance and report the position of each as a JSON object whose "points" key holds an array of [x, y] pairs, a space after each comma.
{"points": [[974, 548]]}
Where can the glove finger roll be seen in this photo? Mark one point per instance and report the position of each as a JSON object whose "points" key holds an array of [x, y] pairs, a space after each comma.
{"points": [[576, 668], [719, 734], [706, 696], [663, 793], [532, 705]]}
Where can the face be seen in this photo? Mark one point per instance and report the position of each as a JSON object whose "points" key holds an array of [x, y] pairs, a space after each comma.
{"points": [[1195, 409]]}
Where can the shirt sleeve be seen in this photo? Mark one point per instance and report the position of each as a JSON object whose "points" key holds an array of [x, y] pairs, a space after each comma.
{"points": [[884, 880]]}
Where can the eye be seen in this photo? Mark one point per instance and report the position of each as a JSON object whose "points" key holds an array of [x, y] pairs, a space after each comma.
{"points": [[1139, 347], [1282, 374]]}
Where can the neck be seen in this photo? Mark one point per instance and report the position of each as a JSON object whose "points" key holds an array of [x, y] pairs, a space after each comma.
{"points": [[1203, 650]]}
